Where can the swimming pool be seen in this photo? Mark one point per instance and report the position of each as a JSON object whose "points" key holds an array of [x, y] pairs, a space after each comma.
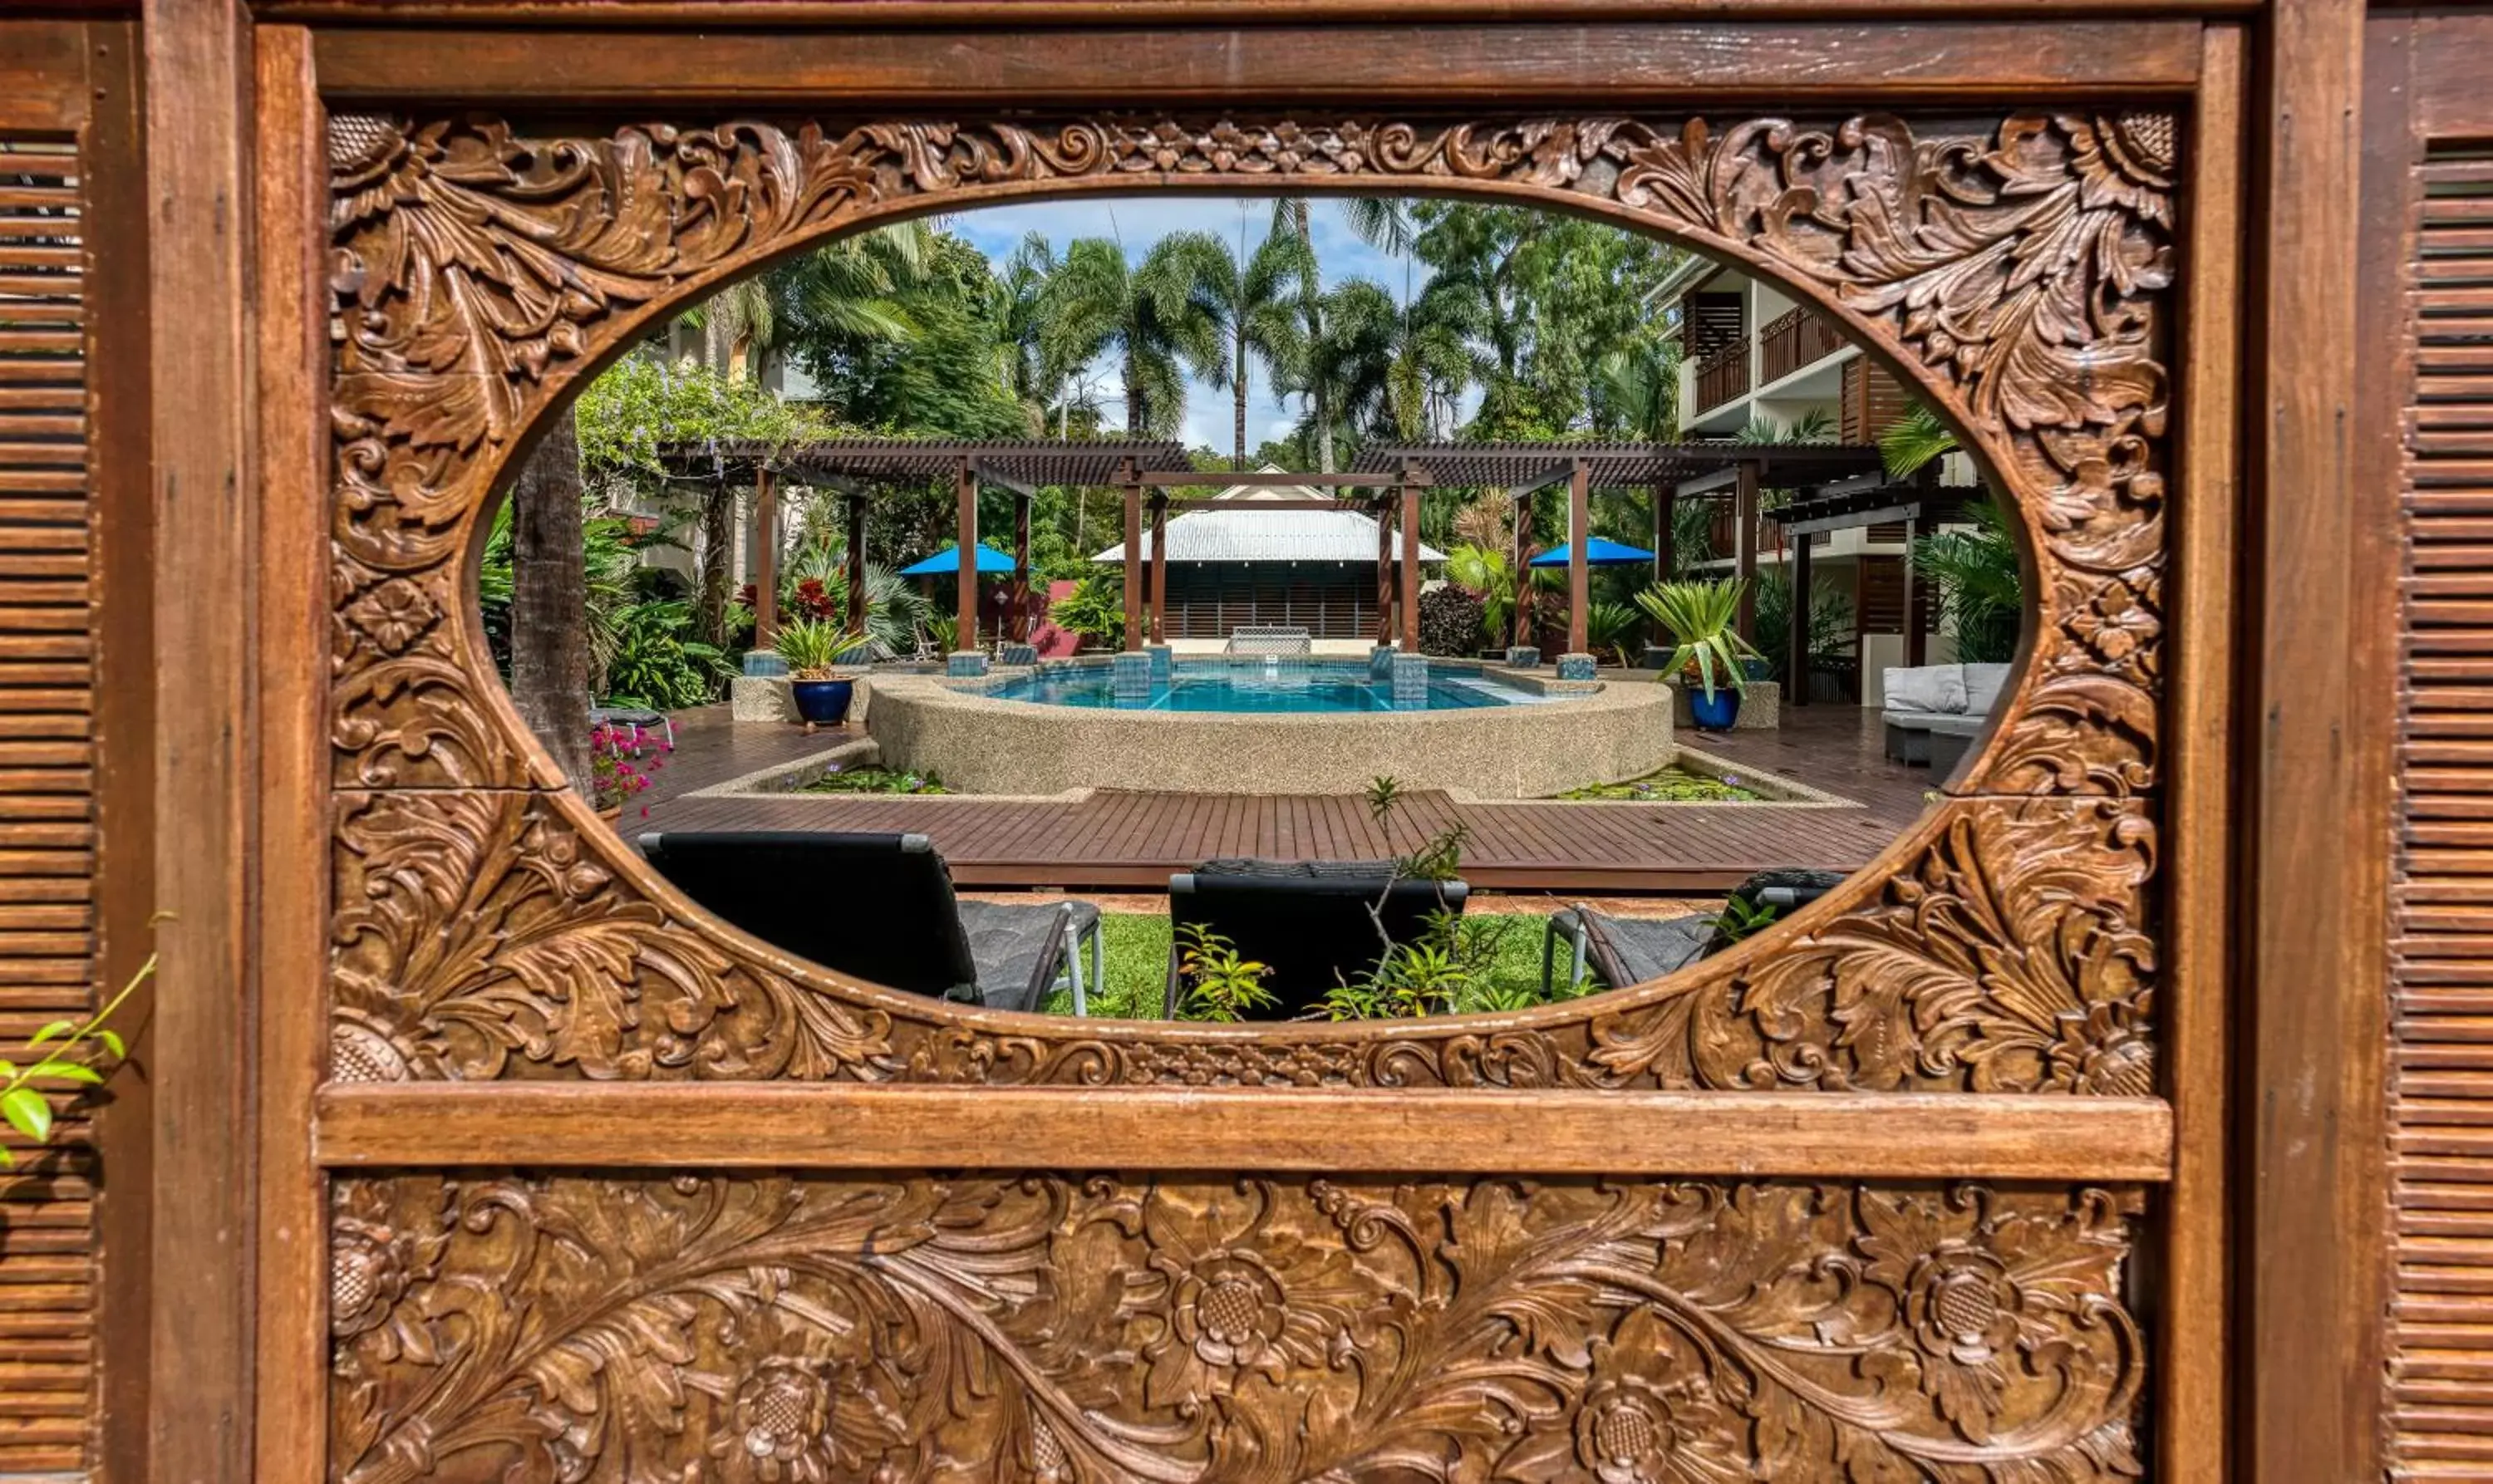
{"points": [[1288, 688]]}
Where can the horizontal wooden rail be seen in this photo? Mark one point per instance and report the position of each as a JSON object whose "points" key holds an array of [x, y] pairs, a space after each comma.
{"points": [[778, 1125], [1367, 66]]}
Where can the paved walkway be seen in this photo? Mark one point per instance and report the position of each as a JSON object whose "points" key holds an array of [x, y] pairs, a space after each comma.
{"points": [[1137, 838]]}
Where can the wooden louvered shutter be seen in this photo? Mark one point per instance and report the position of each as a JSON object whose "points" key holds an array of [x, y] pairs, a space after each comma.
{"points": [[57, 439], [2440, 1073]]}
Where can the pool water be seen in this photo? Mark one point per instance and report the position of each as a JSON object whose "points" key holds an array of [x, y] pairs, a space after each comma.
{"points": [[1294, 688]]}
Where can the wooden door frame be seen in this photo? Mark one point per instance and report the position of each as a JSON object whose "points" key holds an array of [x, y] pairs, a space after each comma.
{"points": [[216, 102]]}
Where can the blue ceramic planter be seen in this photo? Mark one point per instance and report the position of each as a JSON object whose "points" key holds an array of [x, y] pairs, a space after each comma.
{"points": [[1715, 712], [823, 703]]}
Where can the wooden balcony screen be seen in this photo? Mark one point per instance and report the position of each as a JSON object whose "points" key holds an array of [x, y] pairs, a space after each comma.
{"points": [[1795, 339], [1870, 401], [1723, 375]]}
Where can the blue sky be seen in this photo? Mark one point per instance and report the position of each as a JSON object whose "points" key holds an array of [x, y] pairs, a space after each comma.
{"points": [[1137, 223]]}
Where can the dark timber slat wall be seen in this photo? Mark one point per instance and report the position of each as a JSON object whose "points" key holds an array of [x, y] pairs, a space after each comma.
{"points": [[2442, 1089], [47, 785]]}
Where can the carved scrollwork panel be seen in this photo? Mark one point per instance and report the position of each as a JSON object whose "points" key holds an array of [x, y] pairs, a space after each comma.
{"points": [[484, 934], [2018, 270], [927, 1327]]}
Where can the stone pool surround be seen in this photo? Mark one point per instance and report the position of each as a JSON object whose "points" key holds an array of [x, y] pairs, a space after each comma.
{"points": [[1595, 732]]}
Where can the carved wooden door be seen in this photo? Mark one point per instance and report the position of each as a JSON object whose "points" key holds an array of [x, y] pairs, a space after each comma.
{"points": [[1918, 1185]]}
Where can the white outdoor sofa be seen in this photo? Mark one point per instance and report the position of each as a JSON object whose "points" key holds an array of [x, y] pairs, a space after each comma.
{"points": [[1933, 712]]}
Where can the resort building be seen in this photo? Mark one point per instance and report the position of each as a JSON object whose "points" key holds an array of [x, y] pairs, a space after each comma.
{"points": [[1262, 567], [1754, 361]]}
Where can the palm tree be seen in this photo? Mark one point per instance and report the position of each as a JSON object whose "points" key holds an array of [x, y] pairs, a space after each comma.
{"points": [[849, 288], [1393, 371], [1915, 440], [1096, 304], [1249, 302], [1032, 376], [1636, 390]]}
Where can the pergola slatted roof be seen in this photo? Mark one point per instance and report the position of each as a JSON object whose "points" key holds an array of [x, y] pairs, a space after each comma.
{"points": [[1928, 503], [1030, 460], [1620, 465]]}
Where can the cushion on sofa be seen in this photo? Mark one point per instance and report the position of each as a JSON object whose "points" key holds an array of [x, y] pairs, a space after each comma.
{"points": [[1982, 686], [1937, 688]]}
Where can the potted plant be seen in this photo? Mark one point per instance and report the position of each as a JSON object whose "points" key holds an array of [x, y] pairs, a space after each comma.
{"points": [[814, 648], [1707, 649]]}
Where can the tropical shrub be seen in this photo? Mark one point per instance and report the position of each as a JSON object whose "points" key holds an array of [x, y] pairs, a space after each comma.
{"points": [[812, 646], [657, 665], [1830, 618], [1451, 622], [1974, 574], [1488, 573], [1609, 628], [1700, 618], [1096, 611]]}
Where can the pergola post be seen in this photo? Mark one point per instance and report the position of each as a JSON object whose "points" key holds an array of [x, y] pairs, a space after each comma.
{"points": [[857, 562], [1521, 621], [1579, 586], [1796, 665], [1159, 567], [1020, 622], [765, 557], [1134, 550], [965, 633], [1384, 577], [1745, 519], [1409, 495]]}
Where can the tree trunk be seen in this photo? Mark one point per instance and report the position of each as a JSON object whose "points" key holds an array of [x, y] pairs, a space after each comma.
{"points": [[1324, 427], [717, 558], [550, 676], [1241, 459]]}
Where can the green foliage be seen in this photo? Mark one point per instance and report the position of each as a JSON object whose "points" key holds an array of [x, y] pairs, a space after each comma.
{"points": [[1668, 786], [1700, 618], [1974, 574], [875, 780], [1611, 627], [642, 403], [74, 1053], [1815, 426], [1741, 918], [943, 631], [1915, 440], [1217, 984], [656, 665], [811, 646], [1095, 610], [1144, 318], [1830, 617], [894, 605], [938, 369], [1490, 575]]}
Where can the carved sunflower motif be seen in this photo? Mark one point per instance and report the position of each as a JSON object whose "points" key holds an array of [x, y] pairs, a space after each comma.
{"points": [[393, 615], [1228, 1292], [2109, 1050], [2127, 160], [1632, 1432], [778, 1425], [1962, 1305], [373, 1261]]}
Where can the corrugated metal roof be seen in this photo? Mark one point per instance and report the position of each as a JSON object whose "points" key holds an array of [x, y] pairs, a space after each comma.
{"points": [[1251, 535]]}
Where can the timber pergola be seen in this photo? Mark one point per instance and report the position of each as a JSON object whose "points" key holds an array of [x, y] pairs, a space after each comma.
{"points": [[1853, 504], [856, 466], [1664, 469]]}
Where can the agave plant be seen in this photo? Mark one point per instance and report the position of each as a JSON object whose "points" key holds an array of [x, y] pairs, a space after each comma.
{"points": [[812, 646], [1700, 618]]}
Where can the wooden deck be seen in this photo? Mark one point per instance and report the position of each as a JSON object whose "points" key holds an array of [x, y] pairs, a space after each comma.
{"points": [[1138, 839]]}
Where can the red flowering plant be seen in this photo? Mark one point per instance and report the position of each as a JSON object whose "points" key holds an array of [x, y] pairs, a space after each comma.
{"points": [[808, 599], [622, 764]]}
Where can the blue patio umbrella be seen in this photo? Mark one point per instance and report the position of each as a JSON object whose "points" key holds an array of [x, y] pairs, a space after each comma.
{"points": [[1599, 552], [948, 563]]}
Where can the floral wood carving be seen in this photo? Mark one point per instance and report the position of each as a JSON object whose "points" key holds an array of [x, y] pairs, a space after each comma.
{"points": [[480, 935], [479, 270], [1046, 1328]]}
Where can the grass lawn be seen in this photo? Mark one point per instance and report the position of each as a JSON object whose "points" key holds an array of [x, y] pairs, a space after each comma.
{"points": [[1138, 945]]}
